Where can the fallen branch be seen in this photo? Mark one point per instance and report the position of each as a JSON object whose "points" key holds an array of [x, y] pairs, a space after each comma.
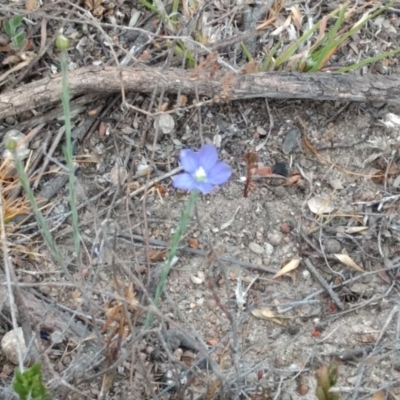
{"points": [[224, 86]]}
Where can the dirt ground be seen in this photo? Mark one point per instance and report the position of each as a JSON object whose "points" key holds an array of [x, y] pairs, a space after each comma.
{"points": [[227, 327]]}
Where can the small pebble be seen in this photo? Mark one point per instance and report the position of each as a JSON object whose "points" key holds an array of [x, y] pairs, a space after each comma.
{"points": [[280, 168], [285, 228], [269, 249], [57, 337], [292, 141], [275, 238], [165, 123], [256, 248], [293, 330], [261, 131], [4, 39], [10, 120], [279, 191], [9, 346], [333, 246]]}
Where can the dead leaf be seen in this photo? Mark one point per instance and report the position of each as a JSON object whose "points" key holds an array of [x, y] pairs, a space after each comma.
{"points": [[31, 5], [212, 342], [281, 28], [294, 179], [322, 27], [5, 49], [93, 112], [130, 296], [11, 60], [346, 260], [250, 67], [199, 279], [145, 56], [102, 129], [381, 395], [320, 205], [290, 266], [193, 243], [92, 4], [316, 332], [303, 389], [182, 101], [356, 229], [297, 17], [263, 171], [107, 381], [369, 337], [157, 255], [382, 274], [267, 314]]}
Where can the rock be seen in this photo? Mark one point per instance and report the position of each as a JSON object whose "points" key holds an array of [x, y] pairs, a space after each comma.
{"points": [[285, 228], [165, 123], [279, 191], [280, 168], [333, 246], [57, 337], [269, 249], [261, 131], [293, 329], [275, 238], [292, 141], [320, 205], [118, 175], [9, 346], [256, 248]]}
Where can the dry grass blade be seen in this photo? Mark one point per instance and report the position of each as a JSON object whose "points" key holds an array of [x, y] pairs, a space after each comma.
{"points": [[290, 266], [347, 260], [267, 314]]}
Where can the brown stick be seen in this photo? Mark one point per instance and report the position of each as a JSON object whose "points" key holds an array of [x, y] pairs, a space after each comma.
{"points": [[223, 86]]}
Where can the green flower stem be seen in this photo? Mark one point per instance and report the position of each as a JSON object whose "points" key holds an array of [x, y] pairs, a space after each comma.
{"points": [[172, 252], [69, 151], [24, 180]]}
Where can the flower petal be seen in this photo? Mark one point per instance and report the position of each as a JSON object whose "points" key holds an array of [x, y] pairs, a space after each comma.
{"points": [[189, 160], [184, 181], [219, 174], [208, 156], [204, 187]]}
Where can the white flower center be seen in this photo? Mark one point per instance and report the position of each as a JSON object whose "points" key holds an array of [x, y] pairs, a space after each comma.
{"points": [[200, 175]]}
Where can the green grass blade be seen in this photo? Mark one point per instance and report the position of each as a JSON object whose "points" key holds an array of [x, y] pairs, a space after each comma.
{"points": [[369, 61], [268, 60], [297, 43], [24, 180], [356, 28], [246, 52], [330, 40], [172, 252], [148, 5]]}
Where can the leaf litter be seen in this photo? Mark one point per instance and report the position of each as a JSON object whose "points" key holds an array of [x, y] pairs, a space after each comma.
{"points": [[256, 217]]}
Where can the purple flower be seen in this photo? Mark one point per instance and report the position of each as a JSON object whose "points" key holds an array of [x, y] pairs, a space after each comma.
{"points": [[202, 170]]}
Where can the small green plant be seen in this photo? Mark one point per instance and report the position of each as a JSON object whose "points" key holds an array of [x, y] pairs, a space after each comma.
{"points": [[327, 44], [182, 50], [15, 32], [62, 44], [29, 384], [327, 377], [202, 171], [11, 145]]}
